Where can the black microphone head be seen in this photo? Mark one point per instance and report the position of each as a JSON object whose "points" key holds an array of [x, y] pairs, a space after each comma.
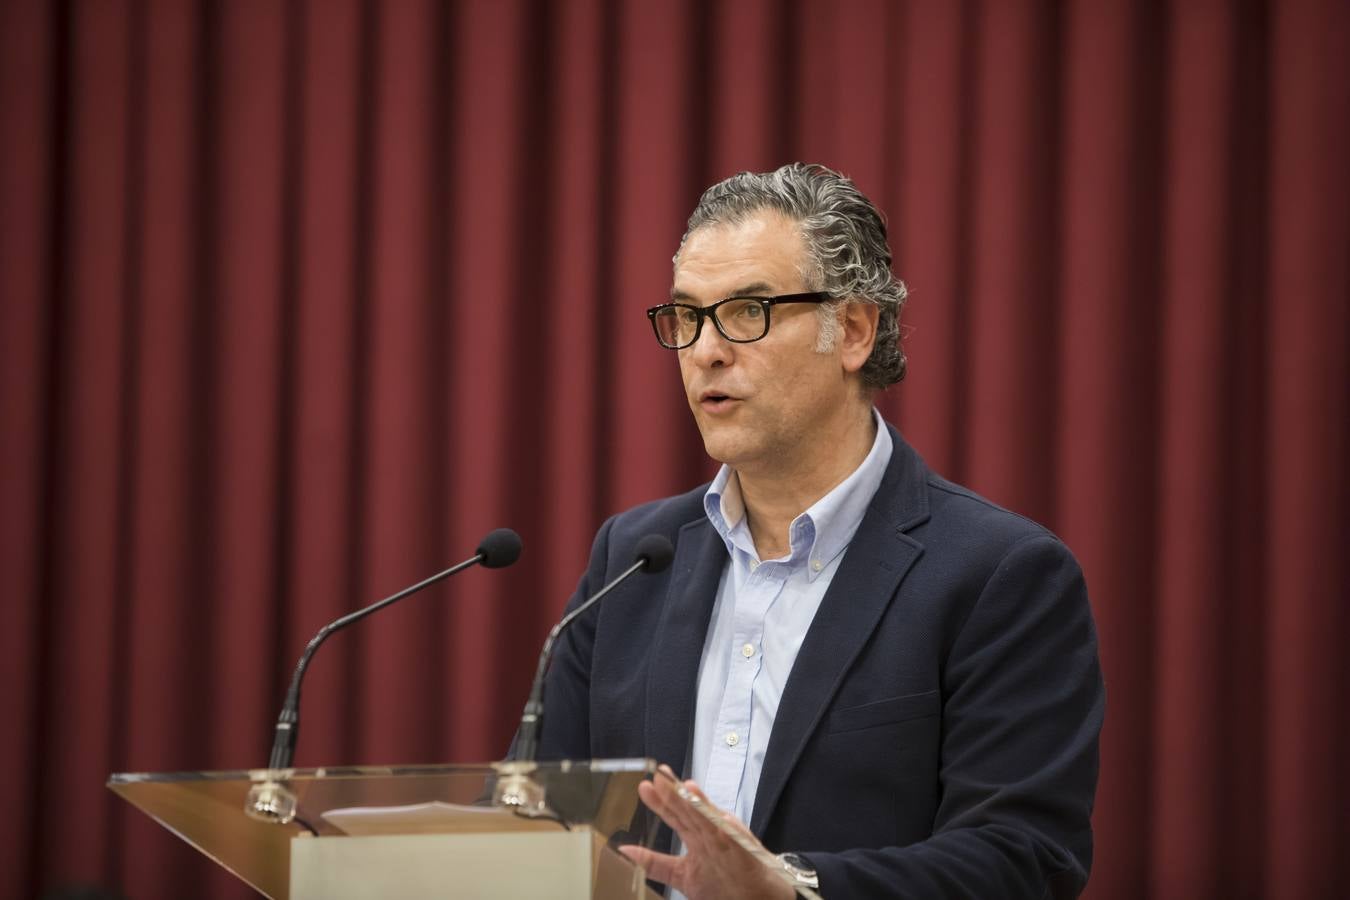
{"points": [[656, 550], [500, 548]]}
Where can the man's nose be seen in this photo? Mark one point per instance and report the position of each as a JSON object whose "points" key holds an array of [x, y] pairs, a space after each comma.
{"points": [[710, 349]]}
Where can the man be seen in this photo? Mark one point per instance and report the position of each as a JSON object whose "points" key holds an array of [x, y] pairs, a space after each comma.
{"points": [[890, 680]]}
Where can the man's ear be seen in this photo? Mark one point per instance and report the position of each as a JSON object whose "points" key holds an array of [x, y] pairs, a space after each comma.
{"points": [[857, 333]]}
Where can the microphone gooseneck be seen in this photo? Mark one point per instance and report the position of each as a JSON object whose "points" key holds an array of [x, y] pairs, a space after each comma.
{"points": [[653, 553], [498, 549]]}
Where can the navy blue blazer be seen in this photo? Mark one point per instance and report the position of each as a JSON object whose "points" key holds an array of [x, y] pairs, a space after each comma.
{"points": [[937, 736]]}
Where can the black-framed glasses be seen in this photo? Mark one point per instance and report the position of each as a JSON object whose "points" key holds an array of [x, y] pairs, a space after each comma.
{"points": [[738, 319]]}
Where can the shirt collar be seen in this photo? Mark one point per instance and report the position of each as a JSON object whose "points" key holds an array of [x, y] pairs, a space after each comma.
{"points": [[825, 529], [725, 509]]}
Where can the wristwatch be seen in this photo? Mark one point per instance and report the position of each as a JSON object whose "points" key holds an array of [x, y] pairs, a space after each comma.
{"points": [[800, 870]]}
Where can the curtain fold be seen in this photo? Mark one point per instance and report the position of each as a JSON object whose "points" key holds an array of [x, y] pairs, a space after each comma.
{"points": [[298, 300]]}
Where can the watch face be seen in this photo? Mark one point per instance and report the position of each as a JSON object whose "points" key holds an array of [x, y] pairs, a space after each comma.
{"points": [[799, 869]]}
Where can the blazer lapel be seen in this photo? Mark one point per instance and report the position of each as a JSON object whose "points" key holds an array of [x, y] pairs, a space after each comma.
{"points": [[672, 679], [868, 578]]}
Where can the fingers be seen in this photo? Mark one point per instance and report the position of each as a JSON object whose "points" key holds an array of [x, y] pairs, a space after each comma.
{"points": [[719, 850], [660, 867], [739, 826], [706, 831], [675, 804]]}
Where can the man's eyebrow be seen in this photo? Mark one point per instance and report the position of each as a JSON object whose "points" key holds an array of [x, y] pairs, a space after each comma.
{"points": [[753, 289]]}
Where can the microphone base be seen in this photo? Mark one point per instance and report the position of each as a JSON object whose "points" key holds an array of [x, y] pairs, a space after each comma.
{"points": [[516, 790], [272, 802]]}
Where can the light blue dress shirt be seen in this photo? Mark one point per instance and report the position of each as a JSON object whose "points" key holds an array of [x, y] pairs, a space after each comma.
{"points": [[761, 616]]}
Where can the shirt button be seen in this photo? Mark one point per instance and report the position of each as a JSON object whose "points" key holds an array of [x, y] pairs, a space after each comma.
{"points": [[754, 564], [732, 739], [816, 565], [748, 651]]}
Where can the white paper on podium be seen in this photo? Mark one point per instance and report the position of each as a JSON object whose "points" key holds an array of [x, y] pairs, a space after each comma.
{"points": [[435, 817]]}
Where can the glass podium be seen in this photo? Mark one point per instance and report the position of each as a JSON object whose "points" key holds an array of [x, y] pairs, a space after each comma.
{"points": [[498, 830]]}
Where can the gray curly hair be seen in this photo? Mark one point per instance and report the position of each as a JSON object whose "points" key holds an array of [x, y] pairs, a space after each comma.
{"points": [[845, 237]]}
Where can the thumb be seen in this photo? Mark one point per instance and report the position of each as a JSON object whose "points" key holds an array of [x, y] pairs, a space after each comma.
{"points": [[660, 867]]}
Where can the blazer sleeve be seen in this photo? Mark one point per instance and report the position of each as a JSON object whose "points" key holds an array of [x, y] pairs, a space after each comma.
{"points": [[1023, 706]]}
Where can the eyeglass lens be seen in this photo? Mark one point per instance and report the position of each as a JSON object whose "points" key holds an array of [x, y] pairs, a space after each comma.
{"points": [[739, 319]]}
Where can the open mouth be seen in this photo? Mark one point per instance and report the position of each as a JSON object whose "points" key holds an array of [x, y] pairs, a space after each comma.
{"points": [[714, 401]]}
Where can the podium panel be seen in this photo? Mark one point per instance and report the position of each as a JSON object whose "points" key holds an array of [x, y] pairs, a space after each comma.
{"points": [[560, 865]]}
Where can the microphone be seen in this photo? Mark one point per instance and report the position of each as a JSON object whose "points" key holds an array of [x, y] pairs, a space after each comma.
{"points": [[499, 549], [654, 553]]}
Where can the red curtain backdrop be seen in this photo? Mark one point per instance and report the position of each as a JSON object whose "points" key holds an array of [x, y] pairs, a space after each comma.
{"points": [[298, 299]]}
